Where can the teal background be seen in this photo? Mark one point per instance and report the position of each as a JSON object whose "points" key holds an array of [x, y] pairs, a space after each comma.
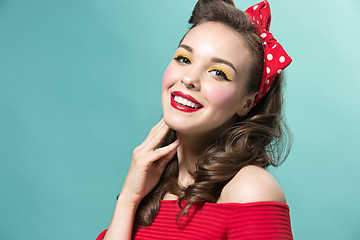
{"points": [[80, 88]]}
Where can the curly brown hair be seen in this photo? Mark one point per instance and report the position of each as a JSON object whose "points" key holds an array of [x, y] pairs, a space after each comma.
{"points": [[260, 138]]}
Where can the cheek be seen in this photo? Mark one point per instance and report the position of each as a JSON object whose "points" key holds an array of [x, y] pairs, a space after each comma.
{"points": [[220, 97], [167, 80]]}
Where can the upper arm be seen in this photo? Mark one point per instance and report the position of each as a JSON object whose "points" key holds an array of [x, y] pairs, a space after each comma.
{"points": [[252, 184]]}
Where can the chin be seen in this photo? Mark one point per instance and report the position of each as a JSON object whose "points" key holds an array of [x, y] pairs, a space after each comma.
{"points": [[173, 123], [179, 125]]}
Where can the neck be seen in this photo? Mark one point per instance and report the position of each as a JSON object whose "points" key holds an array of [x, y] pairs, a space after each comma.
{"points": [[188, 153]]}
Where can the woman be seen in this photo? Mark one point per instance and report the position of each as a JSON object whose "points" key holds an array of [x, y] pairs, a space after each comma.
{"points": [[200, 173]]}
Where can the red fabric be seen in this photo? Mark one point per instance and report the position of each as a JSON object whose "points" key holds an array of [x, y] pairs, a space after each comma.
{"points": [[101, 235], [275, 57], [259, 220]]}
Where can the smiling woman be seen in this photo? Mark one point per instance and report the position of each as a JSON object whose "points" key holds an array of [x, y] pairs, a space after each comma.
{"points": [[200, 173], [211, 71]]}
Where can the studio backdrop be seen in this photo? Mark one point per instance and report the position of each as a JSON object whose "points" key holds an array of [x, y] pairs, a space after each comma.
{"points": [[80, 85]]}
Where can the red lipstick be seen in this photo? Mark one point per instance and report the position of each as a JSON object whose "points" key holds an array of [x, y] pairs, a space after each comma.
{"points": [[182, 107]]}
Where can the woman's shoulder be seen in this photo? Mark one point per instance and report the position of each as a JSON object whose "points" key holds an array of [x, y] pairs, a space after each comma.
{"points": [[252, 184]]}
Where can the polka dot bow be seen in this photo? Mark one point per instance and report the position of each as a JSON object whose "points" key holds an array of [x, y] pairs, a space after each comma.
{"points": [[276, 59]]}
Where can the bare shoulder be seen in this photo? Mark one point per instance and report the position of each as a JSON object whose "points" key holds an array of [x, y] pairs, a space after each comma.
{"points": [[252, 184]]}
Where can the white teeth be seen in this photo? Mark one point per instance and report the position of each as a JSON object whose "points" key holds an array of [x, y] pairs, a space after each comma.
{"points": [[185, 102]]}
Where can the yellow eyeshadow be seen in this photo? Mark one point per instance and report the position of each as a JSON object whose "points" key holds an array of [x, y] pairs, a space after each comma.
{"points": [[222, 69], [183, 55]]}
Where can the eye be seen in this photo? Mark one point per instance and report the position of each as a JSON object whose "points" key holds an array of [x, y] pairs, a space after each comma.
{"points": [[219, 74], [183, 59]]}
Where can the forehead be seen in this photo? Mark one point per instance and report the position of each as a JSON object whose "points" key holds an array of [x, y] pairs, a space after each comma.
{"points": [[212, 39]]}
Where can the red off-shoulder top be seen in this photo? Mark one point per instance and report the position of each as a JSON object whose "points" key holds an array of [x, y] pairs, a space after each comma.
{"points": [[257, 220]]}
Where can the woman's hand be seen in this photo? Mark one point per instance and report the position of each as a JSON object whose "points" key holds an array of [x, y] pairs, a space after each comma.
{"points": [[147, 164]]}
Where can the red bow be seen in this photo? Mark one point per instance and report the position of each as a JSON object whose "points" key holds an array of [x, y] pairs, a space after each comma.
{"points": [[276, 59]]}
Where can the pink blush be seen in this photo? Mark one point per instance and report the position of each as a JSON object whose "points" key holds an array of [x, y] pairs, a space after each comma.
{"points": [[167, 77], [219, 96]]}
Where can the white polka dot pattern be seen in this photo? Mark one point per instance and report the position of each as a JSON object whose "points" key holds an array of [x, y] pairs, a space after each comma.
{"points": [[276, 59]]}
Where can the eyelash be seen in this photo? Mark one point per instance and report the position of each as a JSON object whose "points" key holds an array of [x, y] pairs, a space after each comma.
{"points": [[222, 74], [181, 59]]}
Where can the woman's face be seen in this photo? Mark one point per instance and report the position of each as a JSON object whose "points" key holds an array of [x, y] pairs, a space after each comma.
{"points": [[203, 87]]}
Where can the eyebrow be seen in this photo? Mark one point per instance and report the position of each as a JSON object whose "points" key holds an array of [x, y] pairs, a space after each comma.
{"points": [[186, 47], [216, 60], [219, 60]]}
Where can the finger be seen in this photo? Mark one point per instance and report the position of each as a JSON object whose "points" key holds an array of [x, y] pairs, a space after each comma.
{"points": [[166, 159], [157, 126], [157, 138], [153, 132], [157, 155], [162, 152]]}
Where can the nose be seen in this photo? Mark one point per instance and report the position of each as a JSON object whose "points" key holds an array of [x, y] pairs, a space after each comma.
{"points": [[191, 80]]}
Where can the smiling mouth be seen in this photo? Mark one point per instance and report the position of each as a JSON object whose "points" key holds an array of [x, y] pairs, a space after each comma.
{"points": [[184, 102]]}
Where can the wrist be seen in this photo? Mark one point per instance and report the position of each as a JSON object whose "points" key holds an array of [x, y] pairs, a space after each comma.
{"points": [[126, 200], [125, 207]]}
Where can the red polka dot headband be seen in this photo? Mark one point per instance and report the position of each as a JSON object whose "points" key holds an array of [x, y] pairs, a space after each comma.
{"points": [[275, 57]]}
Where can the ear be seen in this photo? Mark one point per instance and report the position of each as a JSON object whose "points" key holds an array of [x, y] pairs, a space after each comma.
{"points": [[246, 104]]}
